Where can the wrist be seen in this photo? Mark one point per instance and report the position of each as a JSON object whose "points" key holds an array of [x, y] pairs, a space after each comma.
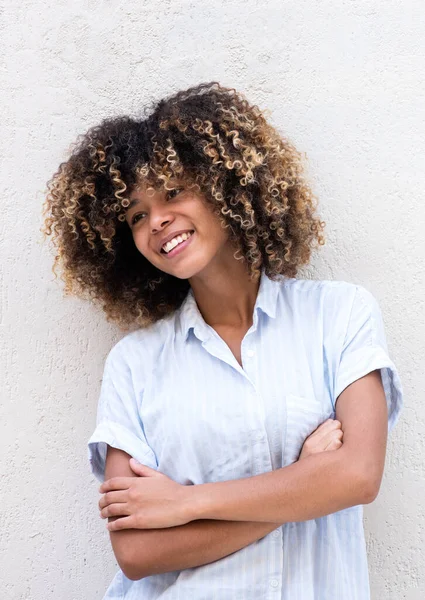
{"points": [[196, 501]]}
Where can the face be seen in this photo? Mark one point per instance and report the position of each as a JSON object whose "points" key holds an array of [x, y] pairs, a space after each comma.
{"points": [[159, 215]]}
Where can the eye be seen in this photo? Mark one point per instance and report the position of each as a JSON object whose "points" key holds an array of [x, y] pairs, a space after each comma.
{"points": [[135, 218], [174, 193]]}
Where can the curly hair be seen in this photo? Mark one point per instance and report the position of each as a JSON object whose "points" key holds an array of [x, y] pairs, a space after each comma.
{"points": [[210, 137]]}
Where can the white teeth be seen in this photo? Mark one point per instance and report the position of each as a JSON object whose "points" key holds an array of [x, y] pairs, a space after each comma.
{"points": [[175, 241]]}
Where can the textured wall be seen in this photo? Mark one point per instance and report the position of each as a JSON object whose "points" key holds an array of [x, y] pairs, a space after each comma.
{"points": [[344, 80]]}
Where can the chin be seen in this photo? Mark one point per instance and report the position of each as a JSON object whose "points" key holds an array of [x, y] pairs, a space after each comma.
{"points": [[186, 270]]}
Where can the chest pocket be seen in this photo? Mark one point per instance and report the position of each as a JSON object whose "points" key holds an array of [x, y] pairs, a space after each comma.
{"points": [[303, 415]]}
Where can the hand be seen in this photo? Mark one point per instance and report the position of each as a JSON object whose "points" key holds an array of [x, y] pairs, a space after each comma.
{"points": [[149, 501], [328, 436]]}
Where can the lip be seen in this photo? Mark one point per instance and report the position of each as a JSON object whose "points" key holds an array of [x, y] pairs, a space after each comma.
{"points": [[178, 248], [169, 237]]}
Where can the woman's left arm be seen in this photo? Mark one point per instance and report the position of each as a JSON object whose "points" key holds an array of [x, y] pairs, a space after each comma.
{"points": [[319, 485]]}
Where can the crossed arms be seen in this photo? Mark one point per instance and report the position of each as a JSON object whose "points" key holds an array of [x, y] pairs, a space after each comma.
{"points": [[225, 514]]}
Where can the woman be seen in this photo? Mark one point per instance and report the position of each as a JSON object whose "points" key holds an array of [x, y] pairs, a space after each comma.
{"points": [[191, 224]]}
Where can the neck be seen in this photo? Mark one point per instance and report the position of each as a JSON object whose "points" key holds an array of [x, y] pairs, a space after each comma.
{"points": [[226, 295]]}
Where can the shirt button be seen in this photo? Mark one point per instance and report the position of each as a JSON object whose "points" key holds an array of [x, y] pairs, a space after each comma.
{"points": [[259, 436], [250, 353], [274, 583], [276, 534]]}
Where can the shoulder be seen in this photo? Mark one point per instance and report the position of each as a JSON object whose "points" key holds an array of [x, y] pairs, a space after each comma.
{"points": [[332, 299], [309, 286], [142, 346], [323, 291]]}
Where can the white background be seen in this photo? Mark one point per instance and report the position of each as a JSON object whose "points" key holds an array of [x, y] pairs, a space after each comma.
{"points": [[344, 80]]}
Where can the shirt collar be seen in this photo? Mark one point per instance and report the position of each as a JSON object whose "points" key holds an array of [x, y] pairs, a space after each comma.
{"points": [[190, 316]]}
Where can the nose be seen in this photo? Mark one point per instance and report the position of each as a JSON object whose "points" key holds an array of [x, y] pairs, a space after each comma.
{"points": [[159, 218]]}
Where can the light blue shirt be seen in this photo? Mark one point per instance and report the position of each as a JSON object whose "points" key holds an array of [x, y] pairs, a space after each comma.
{"points": [[174, 397]]}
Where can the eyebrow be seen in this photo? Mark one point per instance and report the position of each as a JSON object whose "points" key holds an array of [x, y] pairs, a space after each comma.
{"points": [[137, 200], [132, 203]]}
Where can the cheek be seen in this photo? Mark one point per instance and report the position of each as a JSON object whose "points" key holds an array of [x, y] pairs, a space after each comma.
{"points": [[211, 223], [220, 233], [141, 245]]}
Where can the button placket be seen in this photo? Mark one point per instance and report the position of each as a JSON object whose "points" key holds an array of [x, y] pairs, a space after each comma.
{"points": [[248, 349], [262, 459]]}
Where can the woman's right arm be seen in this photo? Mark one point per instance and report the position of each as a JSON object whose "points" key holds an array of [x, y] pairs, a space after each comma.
{"points": [[143, 552]]}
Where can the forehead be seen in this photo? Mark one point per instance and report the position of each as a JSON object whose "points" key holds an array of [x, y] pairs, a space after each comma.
{"points": [[149, 187], [144, 188]]}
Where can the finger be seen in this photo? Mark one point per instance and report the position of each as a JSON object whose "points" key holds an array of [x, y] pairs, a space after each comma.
{"points": [[334, 445], [124, 523], [333, 424], [136, 467], [112, 497], [115, 510], [327, 427], [116, 483], [330, 424], [142, 469], [331, 436], [336, 434]]}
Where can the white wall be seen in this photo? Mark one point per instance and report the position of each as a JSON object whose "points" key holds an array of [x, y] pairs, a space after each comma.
{"points": [[345, 81]]}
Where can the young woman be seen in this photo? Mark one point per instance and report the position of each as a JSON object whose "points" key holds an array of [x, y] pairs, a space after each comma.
{"points": [[189, 225]]}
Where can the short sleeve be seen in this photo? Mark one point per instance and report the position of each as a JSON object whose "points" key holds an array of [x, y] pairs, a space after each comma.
{"points": [[365, 349], [118, 422]]}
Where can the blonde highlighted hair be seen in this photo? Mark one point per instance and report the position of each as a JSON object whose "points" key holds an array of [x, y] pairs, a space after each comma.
{"points": [[213, 139]]}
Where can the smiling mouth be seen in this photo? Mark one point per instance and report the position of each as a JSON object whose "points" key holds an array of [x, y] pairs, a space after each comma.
{"points": [[182, 243]]}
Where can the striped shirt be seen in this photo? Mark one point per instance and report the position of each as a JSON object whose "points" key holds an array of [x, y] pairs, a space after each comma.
{"points": [[174, 397]]}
